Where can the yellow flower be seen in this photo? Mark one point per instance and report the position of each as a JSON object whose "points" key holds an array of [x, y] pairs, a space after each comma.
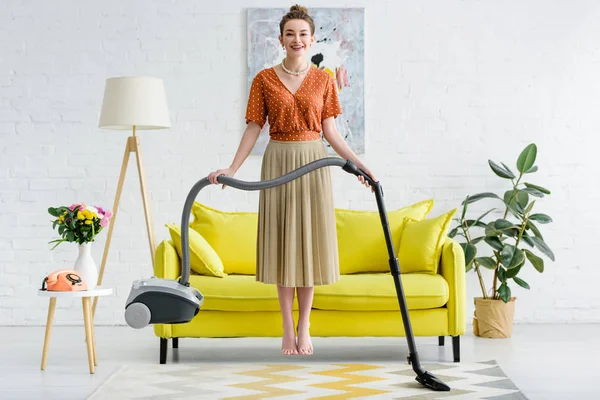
{"points": [[80, 215], [88, 222]]}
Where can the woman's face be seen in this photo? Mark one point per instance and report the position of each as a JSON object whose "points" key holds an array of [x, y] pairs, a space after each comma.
{"points": [[296, 37]]}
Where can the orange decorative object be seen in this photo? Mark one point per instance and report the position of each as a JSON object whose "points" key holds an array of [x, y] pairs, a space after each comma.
{"points": [[64, 280]]}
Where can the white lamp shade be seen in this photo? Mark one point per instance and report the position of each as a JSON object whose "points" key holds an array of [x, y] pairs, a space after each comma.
{"points": [[139, 101]]}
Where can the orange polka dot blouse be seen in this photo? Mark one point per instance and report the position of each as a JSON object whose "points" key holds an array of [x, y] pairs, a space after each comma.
{"points": [[293, 116]]}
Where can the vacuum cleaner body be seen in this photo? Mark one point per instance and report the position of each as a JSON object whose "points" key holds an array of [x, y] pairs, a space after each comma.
{"points": [[161, 301]]}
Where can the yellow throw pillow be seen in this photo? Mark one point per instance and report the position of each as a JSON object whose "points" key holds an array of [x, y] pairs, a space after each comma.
{"points": [[232, 235], [203, 259], [421, 243], [361, 241]]}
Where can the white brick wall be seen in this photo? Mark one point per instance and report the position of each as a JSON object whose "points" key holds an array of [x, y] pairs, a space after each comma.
{"points": [[449, 84]]}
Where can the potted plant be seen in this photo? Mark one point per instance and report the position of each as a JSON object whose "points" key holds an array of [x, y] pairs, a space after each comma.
{"points": [[511, 239], [80, 224]]}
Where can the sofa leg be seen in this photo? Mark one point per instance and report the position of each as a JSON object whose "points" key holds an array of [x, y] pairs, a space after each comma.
{"points": [[441, 340], [175, 342], [456, 348], [163, 350]]}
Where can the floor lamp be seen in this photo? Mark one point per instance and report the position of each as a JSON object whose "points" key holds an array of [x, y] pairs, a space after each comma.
{"points": [[132, 103]]}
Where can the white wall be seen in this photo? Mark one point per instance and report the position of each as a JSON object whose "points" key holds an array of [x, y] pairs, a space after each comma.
{"points": [[449, 84]]}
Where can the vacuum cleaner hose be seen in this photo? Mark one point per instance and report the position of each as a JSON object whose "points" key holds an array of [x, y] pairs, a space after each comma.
{"points": [[424, 377], [346, 165]]}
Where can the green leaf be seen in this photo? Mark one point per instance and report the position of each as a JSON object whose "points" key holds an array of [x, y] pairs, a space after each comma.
{"points": [[536, 187], [511, 203], [468, 267], [541, 218], [511, 256], [529, 207], [482, 216], [486, 262], [507, 169], [477, 239], [537, 262], [517, 260], [503, 224], [494, 242], [522, 199], [501, 172], [533, 192], [504, 292], [507, 227], [543, 247], [464, 210], [534, 229], [511, 273], [527, 239], [527, 158], [53, 211], [521, 282], [470, 252], [453, 232], [532, 170], [471, 223], [501, 274], [479, 196]]}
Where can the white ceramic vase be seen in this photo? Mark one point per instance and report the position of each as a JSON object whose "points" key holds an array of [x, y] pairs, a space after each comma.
{"points": [[85, 265]]}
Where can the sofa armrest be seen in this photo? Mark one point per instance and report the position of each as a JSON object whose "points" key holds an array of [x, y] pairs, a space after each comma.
{"points": [[167, 263], [453, 270]]}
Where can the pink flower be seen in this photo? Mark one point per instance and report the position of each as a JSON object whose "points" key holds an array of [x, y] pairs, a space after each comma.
{"points": [[104, 222]]}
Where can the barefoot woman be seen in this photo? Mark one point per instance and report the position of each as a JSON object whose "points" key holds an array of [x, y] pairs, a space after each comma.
{"points": [[297, 242]]}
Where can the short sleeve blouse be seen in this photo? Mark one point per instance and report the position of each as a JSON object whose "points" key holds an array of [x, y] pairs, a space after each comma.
{"points": [[293, 116]]}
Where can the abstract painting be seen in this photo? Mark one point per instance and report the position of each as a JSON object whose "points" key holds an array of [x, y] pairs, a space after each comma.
{"points": [[338, 50]]}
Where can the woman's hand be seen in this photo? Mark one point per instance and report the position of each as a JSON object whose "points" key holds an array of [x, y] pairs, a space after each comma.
{"points": [[368, 172], [212, 177]]}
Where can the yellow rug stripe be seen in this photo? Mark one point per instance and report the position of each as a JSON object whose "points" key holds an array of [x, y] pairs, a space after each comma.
{"points": [[348, 379], [269, 379]]}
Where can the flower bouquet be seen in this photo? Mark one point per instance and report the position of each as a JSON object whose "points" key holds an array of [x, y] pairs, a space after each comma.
{"points": [[80, 223]]}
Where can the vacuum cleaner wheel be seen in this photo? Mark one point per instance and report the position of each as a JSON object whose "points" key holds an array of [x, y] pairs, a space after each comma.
{"points": [[137, 315]]}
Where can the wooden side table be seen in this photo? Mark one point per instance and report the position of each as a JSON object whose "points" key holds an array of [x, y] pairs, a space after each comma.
{"points": [[88, 321]]}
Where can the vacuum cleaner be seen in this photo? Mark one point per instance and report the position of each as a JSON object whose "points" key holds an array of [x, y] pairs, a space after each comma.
{"points": [[166, 301]]}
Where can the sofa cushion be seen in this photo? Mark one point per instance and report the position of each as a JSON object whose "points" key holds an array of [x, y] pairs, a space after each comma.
{"points": [[377, 292], [237, 293], [232, 234], [203, 258], [421, 243], [361, 241], [358, 292]]}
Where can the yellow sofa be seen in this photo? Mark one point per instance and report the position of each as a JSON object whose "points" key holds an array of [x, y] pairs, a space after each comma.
{"points": [[362, 303]]}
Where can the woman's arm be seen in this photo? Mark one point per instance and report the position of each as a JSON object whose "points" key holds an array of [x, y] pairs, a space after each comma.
{"points": [[246, 145], [249, 138], [340, 146]]}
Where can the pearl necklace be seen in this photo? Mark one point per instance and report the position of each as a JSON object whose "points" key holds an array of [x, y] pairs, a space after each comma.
{"points": [[292, 72]]}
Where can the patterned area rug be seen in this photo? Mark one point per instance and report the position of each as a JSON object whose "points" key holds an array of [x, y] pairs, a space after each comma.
{"points": [[484, 380]]}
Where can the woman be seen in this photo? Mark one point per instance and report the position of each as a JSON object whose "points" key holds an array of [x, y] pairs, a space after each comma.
{"points": [[297, 242]]}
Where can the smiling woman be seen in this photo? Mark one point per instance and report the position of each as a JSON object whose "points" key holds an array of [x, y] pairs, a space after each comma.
{"points": [[297, 241]]}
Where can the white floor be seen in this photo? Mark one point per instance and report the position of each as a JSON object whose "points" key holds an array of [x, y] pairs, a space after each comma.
{"points": [[544, 361]]}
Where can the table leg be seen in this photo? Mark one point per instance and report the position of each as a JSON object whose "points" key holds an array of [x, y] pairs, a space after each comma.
{"points": [[88, 334], [51, 308], [93, 336]]}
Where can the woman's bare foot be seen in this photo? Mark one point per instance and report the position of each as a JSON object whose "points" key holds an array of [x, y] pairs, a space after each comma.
{"points": [[305, 346], [288, 342]]}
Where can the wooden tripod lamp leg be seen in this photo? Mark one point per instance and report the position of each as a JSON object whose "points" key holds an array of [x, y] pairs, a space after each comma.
{"points": [[115, 209], [145, 198]]}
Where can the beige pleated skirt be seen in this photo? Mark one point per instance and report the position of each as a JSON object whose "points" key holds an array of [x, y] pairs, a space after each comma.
{"points": [[297, 241]]}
